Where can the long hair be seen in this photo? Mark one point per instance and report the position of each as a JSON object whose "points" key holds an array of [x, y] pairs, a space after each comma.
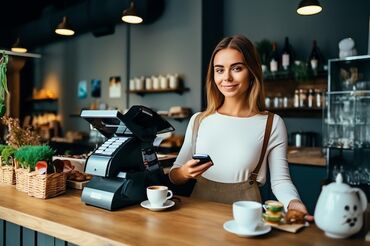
{"points": [[255, 93]]}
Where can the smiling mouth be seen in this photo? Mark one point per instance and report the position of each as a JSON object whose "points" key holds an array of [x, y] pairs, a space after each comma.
{"points": [[230, 86]]}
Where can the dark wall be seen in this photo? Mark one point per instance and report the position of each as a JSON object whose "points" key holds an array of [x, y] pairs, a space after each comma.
{"points": [[274, 20]]}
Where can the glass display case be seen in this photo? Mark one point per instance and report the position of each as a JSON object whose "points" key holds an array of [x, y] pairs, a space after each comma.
{"points": [[346, 121]]}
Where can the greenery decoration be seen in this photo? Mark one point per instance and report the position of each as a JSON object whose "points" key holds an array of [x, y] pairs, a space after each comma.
{"points": [[301, 71], [28, 156], [7, 155], [3, 83]]}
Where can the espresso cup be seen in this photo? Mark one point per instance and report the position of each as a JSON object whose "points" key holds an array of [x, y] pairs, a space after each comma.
{"points": [[158, 195], [247, 214]]}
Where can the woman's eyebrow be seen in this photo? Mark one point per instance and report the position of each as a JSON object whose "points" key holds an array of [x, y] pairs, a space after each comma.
{"points": [[234, 64]]}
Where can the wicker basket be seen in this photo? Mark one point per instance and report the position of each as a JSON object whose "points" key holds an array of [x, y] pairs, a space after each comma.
{"points": [[46, 185], [22, 176], [7, 174]]}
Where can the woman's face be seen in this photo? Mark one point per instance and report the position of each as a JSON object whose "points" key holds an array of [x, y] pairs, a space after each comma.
{"points": [[230, 73]]}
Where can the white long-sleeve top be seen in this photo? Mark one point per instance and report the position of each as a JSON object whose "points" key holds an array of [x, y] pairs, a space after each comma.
{"points": [[234, 145]]}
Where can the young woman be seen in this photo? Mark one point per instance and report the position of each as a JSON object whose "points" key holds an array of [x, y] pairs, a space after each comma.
{"points": [[232, 131]]}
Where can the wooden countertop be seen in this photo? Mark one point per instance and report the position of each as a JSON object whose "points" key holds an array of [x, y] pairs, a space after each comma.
{"points": [[190, 222]]}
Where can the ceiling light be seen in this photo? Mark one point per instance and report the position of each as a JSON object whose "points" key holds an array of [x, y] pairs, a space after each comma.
{"points": [[130, 16], [309, 7], [63, 28], [17, 47]]}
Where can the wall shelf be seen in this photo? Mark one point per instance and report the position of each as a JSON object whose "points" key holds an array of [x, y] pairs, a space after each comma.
{"points": [[143, 92], [298, 112]]}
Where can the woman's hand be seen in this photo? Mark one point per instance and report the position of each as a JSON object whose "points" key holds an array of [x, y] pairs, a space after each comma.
{"points": [[193, 169], [189, 170], [298, 205]]}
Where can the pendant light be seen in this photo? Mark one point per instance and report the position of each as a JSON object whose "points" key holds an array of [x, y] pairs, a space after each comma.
{"points": [[64, 28], [17, 47], [309, 7], [130, 16]]}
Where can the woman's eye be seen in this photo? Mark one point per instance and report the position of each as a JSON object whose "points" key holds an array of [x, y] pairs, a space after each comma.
{"points": [[219, 70], [237, 69]]}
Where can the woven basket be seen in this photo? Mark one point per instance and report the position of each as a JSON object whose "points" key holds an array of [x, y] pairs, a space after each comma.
{"points": [[46, 185], [22, 176], [7, 174]]}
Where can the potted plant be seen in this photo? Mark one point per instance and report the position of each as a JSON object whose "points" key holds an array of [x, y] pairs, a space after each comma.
{"points": [[7, 165]]}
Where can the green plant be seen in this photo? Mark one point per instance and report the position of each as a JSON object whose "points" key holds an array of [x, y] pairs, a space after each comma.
{"points": [[301, 71], [3, 83], [28, 156], [7, 155], [264, 48], [2, 146]]}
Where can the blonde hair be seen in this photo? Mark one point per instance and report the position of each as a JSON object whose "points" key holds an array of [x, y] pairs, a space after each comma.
{"points": [[256, 98]]}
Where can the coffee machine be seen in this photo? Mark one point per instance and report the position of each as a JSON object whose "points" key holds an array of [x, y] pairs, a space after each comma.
{"points": [[126, 163]]}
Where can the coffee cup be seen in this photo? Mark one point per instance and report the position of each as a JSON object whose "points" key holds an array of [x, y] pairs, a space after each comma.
{"points": [[158, 195], [247, 214]]}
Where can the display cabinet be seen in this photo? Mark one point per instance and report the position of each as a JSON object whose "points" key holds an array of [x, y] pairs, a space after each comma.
{"points": [[346, 121]]}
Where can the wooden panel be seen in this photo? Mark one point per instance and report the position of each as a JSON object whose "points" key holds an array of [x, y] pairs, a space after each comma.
{"points": [[13, 234], [2, 229], [29, 237], [44, 240], [59, 242]]}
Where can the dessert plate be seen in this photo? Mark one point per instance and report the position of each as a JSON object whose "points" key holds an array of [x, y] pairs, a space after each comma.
{"points": [[167, 204], [232, 226]]}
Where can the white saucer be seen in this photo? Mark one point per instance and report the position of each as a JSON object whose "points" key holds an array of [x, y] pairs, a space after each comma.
{"points": [[232, 227], [167, 204]]}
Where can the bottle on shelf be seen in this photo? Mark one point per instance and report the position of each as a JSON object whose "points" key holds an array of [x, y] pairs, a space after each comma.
{"points": [[315, 59], [318, 98], [287, 55], [274, 59], [310, 98], [296, 99]]}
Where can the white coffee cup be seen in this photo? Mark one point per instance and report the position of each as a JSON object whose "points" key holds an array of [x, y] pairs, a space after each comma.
{"points": [[158, 195], [247, 214]]}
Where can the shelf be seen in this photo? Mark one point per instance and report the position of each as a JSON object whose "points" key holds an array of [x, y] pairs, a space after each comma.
{"points": [[42, 99], [298, 112], [287, 76], [143, 92]]}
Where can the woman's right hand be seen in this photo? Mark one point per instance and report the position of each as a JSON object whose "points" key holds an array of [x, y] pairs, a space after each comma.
{"points": [[193, 169]]}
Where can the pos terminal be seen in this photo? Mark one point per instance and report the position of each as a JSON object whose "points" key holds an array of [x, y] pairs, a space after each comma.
{"points": [[126, 163]]}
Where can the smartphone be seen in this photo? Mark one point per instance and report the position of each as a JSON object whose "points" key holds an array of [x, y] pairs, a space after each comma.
{"points": [[202, 157]]}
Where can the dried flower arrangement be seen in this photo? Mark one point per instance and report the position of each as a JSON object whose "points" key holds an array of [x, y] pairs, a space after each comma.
{"points": [[18, 136]]}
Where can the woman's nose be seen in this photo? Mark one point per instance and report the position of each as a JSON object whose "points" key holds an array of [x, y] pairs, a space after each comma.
{"points": [[227, 76]]}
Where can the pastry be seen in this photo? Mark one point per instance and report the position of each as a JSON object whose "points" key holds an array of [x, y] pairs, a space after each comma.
{"points": [[294, 217]]}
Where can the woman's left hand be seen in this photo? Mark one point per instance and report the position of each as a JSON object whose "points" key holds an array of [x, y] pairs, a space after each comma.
{"points": [[298, 205]]}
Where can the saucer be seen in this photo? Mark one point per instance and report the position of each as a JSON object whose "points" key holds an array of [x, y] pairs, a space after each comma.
{"points": [[231, 226], [167, 204]]}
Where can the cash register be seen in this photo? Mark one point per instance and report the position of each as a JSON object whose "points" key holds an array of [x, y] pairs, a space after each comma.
{"points": [[126, 163]]}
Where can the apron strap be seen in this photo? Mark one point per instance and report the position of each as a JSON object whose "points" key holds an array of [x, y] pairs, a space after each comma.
{"points": [[195, 132], [254, 174]]}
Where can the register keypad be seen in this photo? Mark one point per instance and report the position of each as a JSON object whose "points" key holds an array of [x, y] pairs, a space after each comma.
{"points": [[110, 146]]}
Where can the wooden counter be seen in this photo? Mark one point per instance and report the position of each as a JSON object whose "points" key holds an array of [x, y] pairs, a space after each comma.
{"points": [[306, 156], [190, 222]]}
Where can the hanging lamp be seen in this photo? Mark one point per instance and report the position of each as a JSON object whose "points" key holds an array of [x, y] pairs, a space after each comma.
{"points": [[130, 16], [309, 7], [17, 47], [64, 28]]}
